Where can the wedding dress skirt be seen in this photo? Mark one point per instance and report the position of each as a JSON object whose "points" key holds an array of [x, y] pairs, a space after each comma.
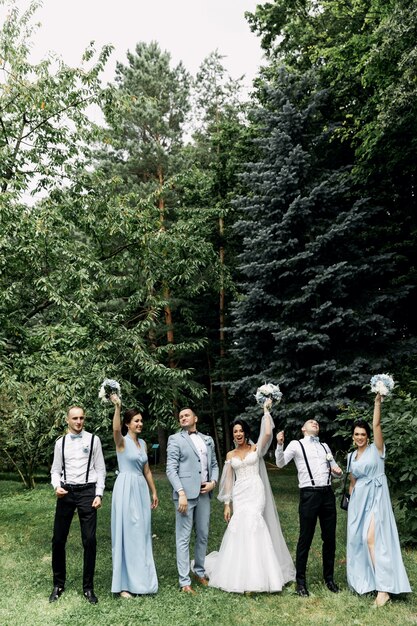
{"points": [[247, 559]]}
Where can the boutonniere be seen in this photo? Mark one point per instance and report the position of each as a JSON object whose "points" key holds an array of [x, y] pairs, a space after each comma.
{"points": [[86, 448], [329, 456]]}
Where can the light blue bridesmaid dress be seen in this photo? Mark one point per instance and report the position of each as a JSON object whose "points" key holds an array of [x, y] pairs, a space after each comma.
{"points": [[371, 496], [133, 564]]}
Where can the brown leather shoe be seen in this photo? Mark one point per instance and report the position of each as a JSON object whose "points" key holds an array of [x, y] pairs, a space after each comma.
{"points": [[188, 589], [202, 580]]}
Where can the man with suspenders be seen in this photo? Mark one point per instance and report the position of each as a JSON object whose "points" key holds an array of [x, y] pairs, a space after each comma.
{"points": [[315, 466], [77, 475]]}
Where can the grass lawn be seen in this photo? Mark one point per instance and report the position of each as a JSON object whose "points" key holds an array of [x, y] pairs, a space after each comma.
{"points": [[25, 573]]}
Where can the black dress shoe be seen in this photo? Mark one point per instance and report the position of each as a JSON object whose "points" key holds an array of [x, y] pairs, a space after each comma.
{"points": [[90, 596], [56, 593], [331, 586], [301, 590]]}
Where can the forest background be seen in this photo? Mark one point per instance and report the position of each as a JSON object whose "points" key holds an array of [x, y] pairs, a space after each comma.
{"points": [[199, 243]]}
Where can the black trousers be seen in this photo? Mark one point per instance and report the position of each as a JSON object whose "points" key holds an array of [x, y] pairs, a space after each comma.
{"points": [[316, 503], [81, 500]]}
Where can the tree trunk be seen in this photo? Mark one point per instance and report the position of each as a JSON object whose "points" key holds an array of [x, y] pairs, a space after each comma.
{"points": [[222, 352]]}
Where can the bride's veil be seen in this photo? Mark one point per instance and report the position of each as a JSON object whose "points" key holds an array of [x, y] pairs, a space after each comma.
{"points": [[270, 513]]}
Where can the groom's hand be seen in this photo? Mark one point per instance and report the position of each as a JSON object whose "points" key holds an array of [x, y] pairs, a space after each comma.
{"points": [[182, 503], [280, 438], [207, 487]]}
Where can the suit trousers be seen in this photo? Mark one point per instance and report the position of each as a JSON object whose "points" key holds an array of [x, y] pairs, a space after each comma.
{"points": [[197, 516], [316, 503], [81, 500]]}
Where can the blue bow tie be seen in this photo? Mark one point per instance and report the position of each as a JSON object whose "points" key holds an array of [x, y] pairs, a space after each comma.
{"points": [[79, 436], [315, 439]]}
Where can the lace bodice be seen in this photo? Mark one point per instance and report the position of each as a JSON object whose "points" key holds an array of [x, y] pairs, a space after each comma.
{"points": [[247, 467]]}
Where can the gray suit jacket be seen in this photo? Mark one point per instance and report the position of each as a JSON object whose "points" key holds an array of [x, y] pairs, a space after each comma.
{"points": [[184, 465]]}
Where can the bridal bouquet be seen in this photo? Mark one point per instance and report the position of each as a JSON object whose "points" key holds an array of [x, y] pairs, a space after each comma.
{"points": [[108, 387], [268, 391], [382, 384]]}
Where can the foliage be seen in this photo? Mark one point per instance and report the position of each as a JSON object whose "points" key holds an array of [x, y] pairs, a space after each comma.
{"points": [[399, 427], [315, 315], [364, 54], [82, 269], [43, 108]]}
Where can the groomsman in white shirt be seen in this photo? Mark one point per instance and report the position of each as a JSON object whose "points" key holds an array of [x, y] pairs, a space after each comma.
{"points": [[77, 475], [315, 466]]}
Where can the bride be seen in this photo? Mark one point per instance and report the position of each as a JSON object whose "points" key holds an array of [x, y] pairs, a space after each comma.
{"points": [[253, 555]]}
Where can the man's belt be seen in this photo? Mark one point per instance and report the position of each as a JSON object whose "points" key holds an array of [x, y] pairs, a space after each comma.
{"points": [[81, 487], [325, 488]]}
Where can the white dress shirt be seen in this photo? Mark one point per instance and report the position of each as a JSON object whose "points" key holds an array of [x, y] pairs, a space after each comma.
{"points": [[201, 448], [77, 452], [316, 456]]}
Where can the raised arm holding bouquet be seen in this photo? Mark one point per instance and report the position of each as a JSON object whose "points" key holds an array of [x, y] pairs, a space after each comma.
{"points": [[253, 555], [374, 561]]}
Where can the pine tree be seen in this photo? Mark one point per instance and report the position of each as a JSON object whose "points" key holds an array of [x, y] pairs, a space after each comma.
{"points": [[315, 313]]}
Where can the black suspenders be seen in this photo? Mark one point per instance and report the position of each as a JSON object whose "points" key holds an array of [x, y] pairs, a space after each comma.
{"points": [[308, 466], [89, 458]]}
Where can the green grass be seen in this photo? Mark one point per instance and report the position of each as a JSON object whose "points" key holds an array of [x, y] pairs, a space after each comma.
{"points": [[25, 573]]}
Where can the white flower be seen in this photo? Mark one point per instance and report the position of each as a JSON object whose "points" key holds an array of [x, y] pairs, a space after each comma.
{"points": [[382, 384], [266, 391], [329, 457], [108, 387]]}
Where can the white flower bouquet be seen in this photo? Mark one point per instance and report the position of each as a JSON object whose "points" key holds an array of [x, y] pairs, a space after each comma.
{"points": [[264, 392], [382, 384], [108, 387]]}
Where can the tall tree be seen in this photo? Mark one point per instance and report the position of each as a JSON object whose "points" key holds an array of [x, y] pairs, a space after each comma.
{"points": [[146, 119], [220, 145], [316, 312], [365, 54], [44, 130], [82, 268]]}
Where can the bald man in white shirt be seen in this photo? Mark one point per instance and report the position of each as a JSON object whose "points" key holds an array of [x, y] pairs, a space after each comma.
{"points": [[77, 474], [315, 466]]}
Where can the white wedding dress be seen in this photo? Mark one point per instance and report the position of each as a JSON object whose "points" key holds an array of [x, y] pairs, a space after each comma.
{"points": [[253, 555]]}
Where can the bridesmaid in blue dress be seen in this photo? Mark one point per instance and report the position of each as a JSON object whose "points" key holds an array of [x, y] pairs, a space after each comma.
{"points": [[133, 565], [374, 560]]}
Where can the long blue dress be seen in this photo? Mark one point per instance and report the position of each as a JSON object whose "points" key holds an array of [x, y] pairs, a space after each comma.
{"points": [[371, 496], [133, 564]]}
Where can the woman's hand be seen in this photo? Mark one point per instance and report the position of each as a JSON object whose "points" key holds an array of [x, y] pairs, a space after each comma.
{"points": [[155, 501], [267, 404], [115, 399], [227, 513]]}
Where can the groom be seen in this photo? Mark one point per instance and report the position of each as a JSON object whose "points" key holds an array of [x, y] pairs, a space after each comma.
{"points": [[193, 473]]}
